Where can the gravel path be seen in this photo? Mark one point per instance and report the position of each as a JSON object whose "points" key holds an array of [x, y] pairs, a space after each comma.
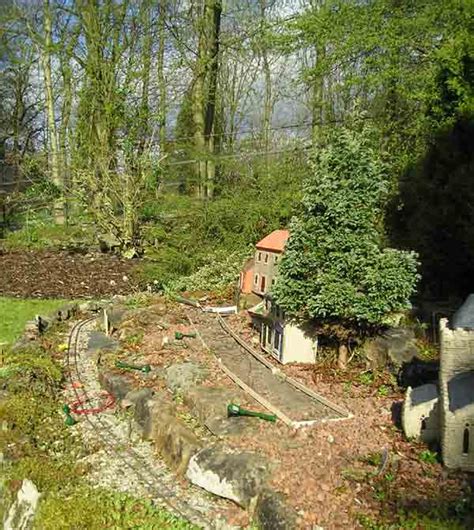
{"points": [[291, 401], [121, 461]]}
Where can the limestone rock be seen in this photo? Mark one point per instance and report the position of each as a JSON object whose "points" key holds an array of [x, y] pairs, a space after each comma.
{"points": [[273, 513], [90, 305], [236, 476], [175, 442], [181, 377], [100, 341], [22, 512], [209, 405], [118, 385], [151, 411], [396, 346]]}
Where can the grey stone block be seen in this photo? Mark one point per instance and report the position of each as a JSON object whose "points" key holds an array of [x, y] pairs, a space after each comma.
{"points": [[181, 377], [118, 385], [175, 441], [273, 513], [239, 477]]}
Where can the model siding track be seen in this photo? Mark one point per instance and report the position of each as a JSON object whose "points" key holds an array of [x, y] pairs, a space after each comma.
{"points": [[133, 461], [291, 401]]}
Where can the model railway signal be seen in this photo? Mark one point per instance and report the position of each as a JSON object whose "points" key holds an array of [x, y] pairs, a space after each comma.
{"points": [[145, 368], [235, 410]]}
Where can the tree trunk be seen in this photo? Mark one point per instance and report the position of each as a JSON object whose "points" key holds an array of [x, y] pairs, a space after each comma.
{"points": [[204, 95], [268, 93], [161, 77], [53, 144], [342, 357], [214, 22], [144, 133], [317, 100]]}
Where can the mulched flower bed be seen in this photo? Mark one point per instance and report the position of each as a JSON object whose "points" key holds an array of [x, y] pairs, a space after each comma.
{"points": [[62, 274]]}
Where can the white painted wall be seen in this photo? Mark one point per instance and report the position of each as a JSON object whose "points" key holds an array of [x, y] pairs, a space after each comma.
{"points": [[421, 403], [297, 347]]}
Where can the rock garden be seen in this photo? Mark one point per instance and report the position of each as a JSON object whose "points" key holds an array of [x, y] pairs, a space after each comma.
{"points": [[148, 398]]}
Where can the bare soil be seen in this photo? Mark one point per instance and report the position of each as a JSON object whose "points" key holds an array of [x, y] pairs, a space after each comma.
{"points": [[62, 274]]}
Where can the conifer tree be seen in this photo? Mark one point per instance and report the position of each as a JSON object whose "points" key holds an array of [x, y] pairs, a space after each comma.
{"points": [[336, 268]]}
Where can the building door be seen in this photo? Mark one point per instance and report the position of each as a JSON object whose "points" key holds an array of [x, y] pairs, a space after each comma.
{"points": [[268, 342], [278, 342]]}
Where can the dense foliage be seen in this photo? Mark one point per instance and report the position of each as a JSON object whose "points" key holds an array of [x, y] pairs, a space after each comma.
{"points": [[336, 265]]}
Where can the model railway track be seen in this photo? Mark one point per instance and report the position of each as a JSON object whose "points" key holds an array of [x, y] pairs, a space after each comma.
{"points": [[133, 461], [227, 347], [339, 411]]}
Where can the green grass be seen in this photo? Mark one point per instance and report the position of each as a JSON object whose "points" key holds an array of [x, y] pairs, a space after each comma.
{"points": [[15, 312], [39, 446]]}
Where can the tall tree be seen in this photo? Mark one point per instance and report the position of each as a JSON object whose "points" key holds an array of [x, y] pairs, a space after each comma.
{"points": [[46, 50], [336, 269], [204, 94]]}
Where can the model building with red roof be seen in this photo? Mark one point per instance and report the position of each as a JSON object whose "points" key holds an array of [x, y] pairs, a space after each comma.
{"points": [[259, 273]]}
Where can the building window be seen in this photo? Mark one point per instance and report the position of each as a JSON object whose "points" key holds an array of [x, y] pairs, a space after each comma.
{"points": [[465, 440], [266, 257], [263, 284], [255, 280], [276, 258], [269, 335], [259, 256], [273, 281]]}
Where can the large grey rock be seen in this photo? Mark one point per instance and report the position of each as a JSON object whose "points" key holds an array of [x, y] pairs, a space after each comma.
{"points": [[23, 510], [236, 476], [396, 346], [175, 441], [209, 405], [151, 410], [181, 377], [99, 341], [273, 513], [118, 385], [138, 399]]}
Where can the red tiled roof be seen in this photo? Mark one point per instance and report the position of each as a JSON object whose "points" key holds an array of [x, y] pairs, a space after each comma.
{"points": [[275, 241]]}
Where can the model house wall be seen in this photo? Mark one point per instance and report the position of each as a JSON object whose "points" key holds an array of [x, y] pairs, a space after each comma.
{"points": [[246, 277], [457, 397], [284, 340], [447, 415], [268, 253], [281, 338], [420, 417]]}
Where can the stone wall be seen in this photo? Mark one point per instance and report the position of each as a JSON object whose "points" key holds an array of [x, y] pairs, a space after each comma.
{"points": [[420, 416], [457, 397]]}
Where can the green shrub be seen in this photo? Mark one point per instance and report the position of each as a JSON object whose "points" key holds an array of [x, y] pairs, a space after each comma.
{"points": [[429, 457], [219, 271]]}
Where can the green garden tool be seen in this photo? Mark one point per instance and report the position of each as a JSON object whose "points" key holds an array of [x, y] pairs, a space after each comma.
{"points": [[180, 336], [145, 368], [69, 421], [235, 410]]}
